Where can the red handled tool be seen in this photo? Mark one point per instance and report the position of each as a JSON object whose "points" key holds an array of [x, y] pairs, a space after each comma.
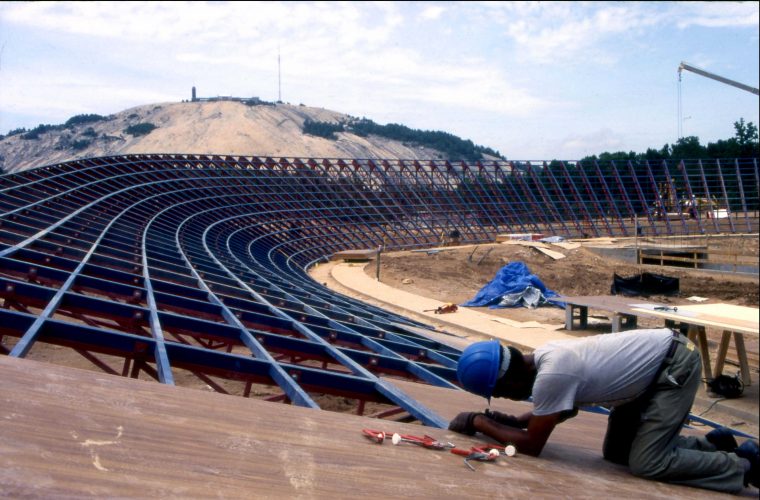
{"points": [[479, 453], [425, 441]]}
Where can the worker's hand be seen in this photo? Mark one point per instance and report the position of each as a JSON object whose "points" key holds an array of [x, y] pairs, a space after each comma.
{"points": [[505, 419], [463, 423]]}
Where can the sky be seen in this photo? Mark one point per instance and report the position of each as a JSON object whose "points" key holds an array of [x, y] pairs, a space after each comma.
{"points": [[532, 80]]}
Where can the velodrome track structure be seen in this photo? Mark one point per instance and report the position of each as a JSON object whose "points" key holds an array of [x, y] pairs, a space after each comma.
{"points": [[148, 266]]}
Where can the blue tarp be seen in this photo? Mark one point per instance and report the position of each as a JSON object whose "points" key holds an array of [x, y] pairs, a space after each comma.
{"points": [[512, 281]]}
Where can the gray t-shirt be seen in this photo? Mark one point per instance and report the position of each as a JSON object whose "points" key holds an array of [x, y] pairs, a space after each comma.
{"points": [[601, 369]]}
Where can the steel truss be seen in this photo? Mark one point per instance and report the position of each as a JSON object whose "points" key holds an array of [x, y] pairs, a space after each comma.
{"points": [[149, 266]]}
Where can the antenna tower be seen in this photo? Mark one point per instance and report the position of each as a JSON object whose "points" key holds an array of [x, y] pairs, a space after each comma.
{"points": [[279, 77]]}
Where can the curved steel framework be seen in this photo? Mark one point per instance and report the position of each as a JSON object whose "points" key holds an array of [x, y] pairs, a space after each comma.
{"points": [[177, 267]]}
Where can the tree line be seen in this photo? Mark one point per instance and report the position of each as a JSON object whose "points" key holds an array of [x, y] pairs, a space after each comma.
{"points": [[454, 148], [744, 144]]}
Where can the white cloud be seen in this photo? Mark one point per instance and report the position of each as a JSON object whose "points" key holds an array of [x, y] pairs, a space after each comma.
{"points": [[559, 31], [196, 24], [719, 14], [432, 12]]}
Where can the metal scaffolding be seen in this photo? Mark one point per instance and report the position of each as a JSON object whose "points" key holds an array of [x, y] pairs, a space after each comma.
{"points": [[151, 265]]}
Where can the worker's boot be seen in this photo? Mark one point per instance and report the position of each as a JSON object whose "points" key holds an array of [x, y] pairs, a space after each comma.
{"points": [[750, 451], [723, 439]]}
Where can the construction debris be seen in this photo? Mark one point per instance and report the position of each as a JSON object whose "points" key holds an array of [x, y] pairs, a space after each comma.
{"points": [[568, 245], [695, 298], [551, 253], [519, 237]]}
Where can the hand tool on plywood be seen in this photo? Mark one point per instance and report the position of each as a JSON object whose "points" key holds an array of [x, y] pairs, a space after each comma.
{"points": [[444, 309], [477, 453], [481, 453], [484, 453], [396, 438]]}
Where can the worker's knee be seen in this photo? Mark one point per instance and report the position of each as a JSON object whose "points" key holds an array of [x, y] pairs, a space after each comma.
{"points": [[621, 431], [615, 454], [647, 469]]}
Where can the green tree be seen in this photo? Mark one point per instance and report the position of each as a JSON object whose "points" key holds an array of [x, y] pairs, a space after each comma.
{"points": [[746, 134], [687, 148], [656, 154], [618, 155], [140, 129], [81, 119]]}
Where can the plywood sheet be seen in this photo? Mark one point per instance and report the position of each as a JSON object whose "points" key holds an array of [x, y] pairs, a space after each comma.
{"points": [[538, 245], [551, 253], [723, 316], [525, 324], [532, 244], [740, 313], [71, 433], [612, 303]]}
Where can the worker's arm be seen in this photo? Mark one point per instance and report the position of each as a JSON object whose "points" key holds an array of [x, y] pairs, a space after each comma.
{"points": [[521, 421], [529, 441]]}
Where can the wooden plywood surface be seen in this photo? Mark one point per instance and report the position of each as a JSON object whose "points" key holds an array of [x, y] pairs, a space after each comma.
{"points": [[613, 303], [724, 316], [747, 315], [71, 433], [551, 253]]}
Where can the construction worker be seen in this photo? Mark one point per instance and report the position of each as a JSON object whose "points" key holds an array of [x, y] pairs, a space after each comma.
{"points": [[648, 377]]}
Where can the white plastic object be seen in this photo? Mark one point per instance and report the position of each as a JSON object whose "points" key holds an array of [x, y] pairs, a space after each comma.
{"points": [[510, 450], [493, 453], [396, 439]]}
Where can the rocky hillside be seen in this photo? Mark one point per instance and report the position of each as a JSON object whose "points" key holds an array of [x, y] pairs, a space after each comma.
{"points": [[216, 127]]}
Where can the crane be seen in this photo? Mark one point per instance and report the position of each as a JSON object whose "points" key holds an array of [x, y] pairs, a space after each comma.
{"points": [[727, 81], [707, 74]]}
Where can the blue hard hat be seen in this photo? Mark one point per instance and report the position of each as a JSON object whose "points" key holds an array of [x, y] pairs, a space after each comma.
{"points": [[478, 367]]}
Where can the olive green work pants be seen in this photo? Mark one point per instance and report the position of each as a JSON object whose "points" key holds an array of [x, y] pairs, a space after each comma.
{"points": [[644, 433]]}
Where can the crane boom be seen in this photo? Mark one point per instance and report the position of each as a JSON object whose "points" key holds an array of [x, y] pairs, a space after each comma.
{"points": [[727, 81]]}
